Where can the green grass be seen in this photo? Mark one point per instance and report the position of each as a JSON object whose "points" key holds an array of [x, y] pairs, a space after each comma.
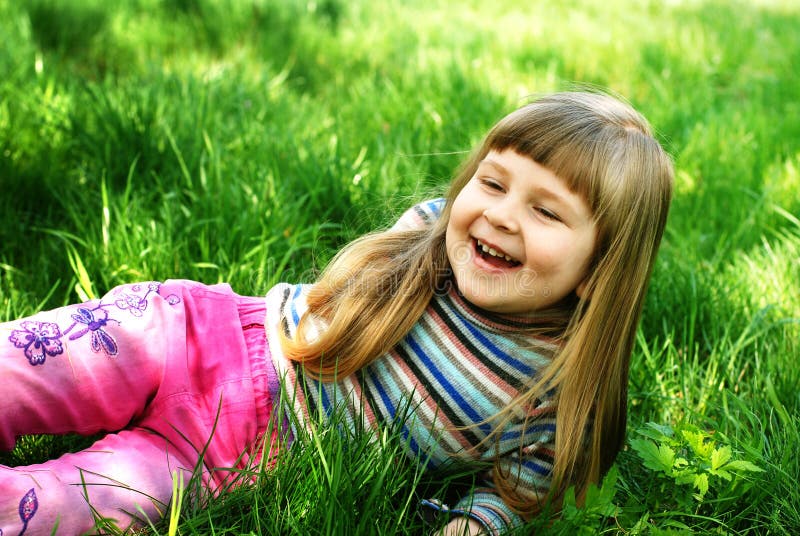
{"points": [[245, 141]]}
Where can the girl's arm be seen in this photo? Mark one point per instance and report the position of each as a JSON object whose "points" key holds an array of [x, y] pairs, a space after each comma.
{"points": [[420, 215], [482, 511]]}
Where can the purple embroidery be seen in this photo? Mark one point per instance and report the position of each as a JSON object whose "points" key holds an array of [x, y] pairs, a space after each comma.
{"points": [[27, 508], [39, 339], [136, 304], [100, 339]]}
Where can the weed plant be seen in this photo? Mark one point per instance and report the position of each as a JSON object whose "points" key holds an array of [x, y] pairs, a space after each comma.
{"points": [[246, 141]]}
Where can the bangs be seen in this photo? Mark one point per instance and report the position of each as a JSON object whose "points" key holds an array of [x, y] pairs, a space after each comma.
{"points": [[587, 154]]}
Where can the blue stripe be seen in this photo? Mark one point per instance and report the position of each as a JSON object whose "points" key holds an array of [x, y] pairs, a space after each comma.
{"points": [[517, 364], [449, 387], [295, 318], [536, 468], [535, 428], [387, 401], [427, 342], [436, 206], [326, 403]]}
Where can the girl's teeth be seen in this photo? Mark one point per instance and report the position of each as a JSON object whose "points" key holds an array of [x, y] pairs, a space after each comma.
{"points": [[493, 252]]}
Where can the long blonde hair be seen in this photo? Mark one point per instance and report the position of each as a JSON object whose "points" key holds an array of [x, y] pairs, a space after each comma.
{"points": [[376, 288]]}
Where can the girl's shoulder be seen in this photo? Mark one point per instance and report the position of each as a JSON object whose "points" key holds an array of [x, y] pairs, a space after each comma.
{"points": [[420, 215], [287, 301]]}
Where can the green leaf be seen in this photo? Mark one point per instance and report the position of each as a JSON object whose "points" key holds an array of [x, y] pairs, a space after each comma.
{"points": [[742, 465], [681, 463], [722, 473], [701, 484], [657, 458], [656, 432], [569, 509], [698, 443], [720, 457], [601, 500], [685, 477]]}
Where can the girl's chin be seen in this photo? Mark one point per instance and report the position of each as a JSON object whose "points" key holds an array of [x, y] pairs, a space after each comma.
{"points": [[496, 300]]}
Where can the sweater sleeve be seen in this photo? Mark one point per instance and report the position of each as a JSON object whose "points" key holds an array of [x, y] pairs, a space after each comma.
{"points": [[482, 505], [420, 215], [529, 469]]}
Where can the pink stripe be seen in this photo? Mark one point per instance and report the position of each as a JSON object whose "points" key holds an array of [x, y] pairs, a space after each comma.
{"points": [[489, 377], [428, 402]]}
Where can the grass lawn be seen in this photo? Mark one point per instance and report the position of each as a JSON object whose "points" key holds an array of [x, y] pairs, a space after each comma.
{"points": [[245, 141]]}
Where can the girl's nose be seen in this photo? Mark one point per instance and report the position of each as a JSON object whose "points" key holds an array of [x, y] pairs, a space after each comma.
{"points": [[502, 216]]}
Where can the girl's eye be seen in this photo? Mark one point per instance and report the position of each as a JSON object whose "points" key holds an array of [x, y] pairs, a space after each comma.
{"points": [[549, 214], [492, 184]]}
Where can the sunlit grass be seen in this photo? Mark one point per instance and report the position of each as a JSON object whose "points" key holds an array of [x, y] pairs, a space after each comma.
{"points": [[245, 142]]}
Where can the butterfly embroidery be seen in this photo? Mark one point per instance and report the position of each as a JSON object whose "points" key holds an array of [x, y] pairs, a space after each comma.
{"points": [[100, 338]]}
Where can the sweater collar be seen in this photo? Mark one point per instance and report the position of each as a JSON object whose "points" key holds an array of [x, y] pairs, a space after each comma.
{"points": [[550, 321]]}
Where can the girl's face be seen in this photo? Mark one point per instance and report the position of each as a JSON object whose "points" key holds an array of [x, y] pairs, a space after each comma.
{"points": [[518, 240]]}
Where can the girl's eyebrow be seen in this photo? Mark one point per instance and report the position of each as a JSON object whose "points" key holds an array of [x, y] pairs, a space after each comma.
{"points": [[492, 163], [550, 194], [543, 192]]}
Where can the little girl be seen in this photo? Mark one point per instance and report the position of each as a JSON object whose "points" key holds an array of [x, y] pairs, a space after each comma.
{"points": [[501, 318]]}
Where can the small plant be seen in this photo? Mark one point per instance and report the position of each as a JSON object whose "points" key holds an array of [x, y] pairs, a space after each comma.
{"points": [[690, 456], [593, 515]]}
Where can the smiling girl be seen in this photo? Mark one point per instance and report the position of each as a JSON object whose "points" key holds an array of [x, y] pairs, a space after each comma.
{"points": [[502, 317], [518, 239]]}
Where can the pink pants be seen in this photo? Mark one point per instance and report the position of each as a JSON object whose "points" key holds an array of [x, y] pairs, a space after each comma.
{"points": [[171, 371]]}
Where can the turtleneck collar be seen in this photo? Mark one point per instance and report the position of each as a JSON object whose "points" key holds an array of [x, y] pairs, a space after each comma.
{"points": [[551, 321]]}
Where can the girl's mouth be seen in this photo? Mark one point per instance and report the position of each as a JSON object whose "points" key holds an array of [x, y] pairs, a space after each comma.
{"points": [[494, 257]]}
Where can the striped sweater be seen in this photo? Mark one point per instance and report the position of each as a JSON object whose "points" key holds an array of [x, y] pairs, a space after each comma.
{"points": [[457, 367]]}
